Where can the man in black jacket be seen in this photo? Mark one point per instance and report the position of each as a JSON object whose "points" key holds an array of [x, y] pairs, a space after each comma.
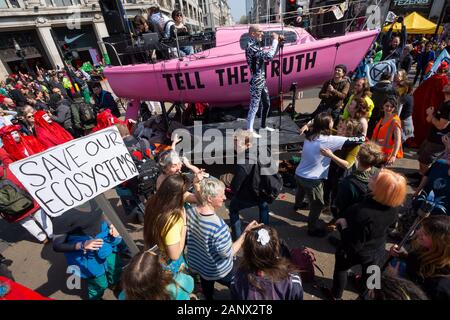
{"points": [[18, 95], [104, 100], [393, 45], [61, 112], [406, 59], [56, 84], [244, 194]]}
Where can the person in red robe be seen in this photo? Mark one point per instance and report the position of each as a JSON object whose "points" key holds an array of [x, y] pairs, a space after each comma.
{"points": [[106, 119], [10, 290], [17, 145], [428, 94], [48, 132]]}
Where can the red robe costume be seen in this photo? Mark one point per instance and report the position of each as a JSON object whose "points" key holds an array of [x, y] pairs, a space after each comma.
{"points": [[428, 94], [16, 150], [106, 119], [17, 291], [49, 134]]}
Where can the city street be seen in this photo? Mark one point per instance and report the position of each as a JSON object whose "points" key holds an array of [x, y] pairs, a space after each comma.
{"points": [[38, 267]]}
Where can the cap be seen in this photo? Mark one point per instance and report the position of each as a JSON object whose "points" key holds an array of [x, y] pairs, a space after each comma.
{"points": [[443, 66], [341, 66]]}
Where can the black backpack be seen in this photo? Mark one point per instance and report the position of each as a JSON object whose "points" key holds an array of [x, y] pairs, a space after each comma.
{"points": [[148, 174], [14, 202], [87, 115], [267, 187], [148, 171]]}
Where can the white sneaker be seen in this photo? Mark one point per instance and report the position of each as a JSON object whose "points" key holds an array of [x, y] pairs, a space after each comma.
{"points": [[255, 135], [268, 129]]}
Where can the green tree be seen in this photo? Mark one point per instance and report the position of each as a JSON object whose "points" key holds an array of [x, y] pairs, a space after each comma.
{"points": [[243, 20]]}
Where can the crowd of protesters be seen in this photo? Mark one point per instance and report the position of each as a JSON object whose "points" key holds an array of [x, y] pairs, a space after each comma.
{"points": [[346, 169]]}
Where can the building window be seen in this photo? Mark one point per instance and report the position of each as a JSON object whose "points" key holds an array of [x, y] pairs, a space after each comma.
{"points": [[62, 3], [6, 4], [3, 4], [289, 37]]}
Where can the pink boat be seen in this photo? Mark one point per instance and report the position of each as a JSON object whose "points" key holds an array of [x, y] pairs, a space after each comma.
{"points": [[221, 76]]}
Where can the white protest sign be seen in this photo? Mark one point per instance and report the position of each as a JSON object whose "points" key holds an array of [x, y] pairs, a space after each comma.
{"points": [[72, 173]]}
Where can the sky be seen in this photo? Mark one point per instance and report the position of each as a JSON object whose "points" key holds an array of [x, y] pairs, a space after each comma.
{"points": [[237, 9]]}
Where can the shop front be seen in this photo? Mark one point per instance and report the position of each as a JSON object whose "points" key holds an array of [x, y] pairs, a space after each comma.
{"points": [[22, 51], [405, 7], [82, 42]]}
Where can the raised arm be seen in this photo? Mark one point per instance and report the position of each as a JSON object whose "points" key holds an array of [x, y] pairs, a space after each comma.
{"points": [[403, 36], [354, 141], [266, 55]]}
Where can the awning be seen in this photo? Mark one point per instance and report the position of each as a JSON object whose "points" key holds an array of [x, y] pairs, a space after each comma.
{"points": [[415, 24]]}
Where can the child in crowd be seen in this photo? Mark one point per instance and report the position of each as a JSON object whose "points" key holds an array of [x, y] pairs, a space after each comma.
{"points": [[144, 279], [91, 245], [263, 274]]}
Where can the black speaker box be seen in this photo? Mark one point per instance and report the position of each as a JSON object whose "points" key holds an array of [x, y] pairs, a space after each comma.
{"points": [[114, 20]]}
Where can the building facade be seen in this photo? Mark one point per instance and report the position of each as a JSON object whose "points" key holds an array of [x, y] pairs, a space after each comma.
{"points": [[264, 11], [258, 10], [216, 13], [39, 26]]}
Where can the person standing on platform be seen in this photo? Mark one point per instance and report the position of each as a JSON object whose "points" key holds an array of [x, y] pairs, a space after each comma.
{"points": [[256, 58]]}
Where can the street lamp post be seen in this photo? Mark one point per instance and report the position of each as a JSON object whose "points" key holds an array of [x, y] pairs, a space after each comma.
{"points": [[21, 54]]}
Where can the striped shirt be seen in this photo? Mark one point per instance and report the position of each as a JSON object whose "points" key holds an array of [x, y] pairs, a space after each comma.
{"points": [[208, 245]]}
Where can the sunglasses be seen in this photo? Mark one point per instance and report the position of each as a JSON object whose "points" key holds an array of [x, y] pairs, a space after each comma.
{"points": [[29, 117], [179, 15]]}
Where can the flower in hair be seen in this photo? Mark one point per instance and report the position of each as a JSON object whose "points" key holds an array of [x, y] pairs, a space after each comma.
{"points": [[263, 236]]}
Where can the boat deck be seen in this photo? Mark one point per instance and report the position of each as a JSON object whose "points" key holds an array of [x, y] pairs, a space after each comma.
{"points": [[210, 149]]}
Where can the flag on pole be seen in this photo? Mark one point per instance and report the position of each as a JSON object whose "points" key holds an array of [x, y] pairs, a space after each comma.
{"points": [[391, 17], [375, 70]]}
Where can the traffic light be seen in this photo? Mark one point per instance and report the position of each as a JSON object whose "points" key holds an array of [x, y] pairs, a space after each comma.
{"points": [[66, 52], [290, 13]]}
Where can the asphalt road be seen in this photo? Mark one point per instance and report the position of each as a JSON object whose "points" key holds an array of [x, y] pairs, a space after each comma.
{"points": [[40, 268]]}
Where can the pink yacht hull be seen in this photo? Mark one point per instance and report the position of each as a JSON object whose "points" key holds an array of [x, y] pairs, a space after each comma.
{"points": [[220, 76]]}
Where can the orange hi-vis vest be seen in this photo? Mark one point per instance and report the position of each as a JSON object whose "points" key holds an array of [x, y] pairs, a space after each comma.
{"points": [[383, 135]]}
